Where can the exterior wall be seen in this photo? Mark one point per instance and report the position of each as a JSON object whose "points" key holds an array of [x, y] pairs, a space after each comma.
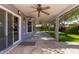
{"points": [[24, 33], [10, 7]]}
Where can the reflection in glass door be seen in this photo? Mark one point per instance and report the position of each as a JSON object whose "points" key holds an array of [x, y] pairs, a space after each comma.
{"points": [[10, 29], [16, 27], [2, 30]]}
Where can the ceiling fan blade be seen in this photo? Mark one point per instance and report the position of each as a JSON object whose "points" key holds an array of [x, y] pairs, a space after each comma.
{"points": [[45, 12], [47, 7]]}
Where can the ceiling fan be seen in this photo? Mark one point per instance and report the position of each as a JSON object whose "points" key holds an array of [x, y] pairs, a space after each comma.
{"points": [[39, 9]]}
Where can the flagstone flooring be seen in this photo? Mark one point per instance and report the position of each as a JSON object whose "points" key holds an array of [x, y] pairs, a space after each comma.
{"points": [[41, 43]]}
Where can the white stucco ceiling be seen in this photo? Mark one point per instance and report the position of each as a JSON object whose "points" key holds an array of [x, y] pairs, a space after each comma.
{"points": [[54, 10]]}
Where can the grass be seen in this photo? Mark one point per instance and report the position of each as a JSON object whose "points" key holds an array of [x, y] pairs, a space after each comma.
{"points": [[66, 37]]}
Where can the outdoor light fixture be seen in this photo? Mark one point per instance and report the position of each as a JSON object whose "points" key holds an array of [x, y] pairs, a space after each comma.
{"points": [[19, 12]]}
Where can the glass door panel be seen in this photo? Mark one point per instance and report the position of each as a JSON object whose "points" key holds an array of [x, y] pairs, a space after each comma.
{"points": [[2, 30]]}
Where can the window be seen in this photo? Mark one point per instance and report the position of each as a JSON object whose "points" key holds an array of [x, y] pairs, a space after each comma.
{"points": [[29, 26]]}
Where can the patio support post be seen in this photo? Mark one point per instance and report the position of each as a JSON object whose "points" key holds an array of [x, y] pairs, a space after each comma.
{"points": [[57, 29]]}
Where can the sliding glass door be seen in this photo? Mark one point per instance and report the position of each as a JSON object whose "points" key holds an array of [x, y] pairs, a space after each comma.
{"points": [[2, 29], [9, 29], [13, 33]]}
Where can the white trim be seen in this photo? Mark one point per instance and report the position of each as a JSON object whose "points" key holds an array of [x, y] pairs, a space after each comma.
{"points": [[6, 30], [20, 28], [13, 26]]}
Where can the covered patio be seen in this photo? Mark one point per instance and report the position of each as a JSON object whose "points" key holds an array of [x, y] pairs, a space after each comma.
{"points": [[55, 15], [26, 39]]}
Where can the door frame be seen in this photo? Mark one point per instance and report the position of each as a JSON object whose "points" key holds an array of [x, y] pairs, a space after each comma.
{"points": [[6, 18]]}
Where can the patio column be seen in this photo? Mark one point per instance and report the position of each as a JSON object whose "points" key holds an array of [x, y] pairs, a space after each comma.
{"points": [[57, 29]]}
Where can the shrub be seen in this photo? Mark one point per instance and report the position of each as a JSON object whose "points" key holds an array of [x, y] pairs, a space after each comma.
{"points": [[72, 30]]}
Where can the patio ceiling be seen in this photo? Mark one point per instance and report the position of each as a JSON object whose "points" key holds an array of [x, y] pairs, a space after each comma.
{"points": [[54, 10]]}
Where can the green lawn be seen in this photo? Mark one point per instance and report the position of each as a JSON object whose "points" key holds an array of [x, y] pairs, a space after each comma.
{"points": [[65, 37]]}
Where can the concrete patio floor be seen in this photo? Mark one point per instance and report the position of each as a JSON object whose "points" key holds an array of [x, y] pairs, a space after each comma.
{"points": [[45, 45]]}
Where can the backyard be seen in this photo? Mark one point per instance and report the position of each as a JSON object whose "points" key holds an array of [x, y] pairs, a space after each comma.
{"points": [[66, 34], [66, 37], [68, 26]]}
